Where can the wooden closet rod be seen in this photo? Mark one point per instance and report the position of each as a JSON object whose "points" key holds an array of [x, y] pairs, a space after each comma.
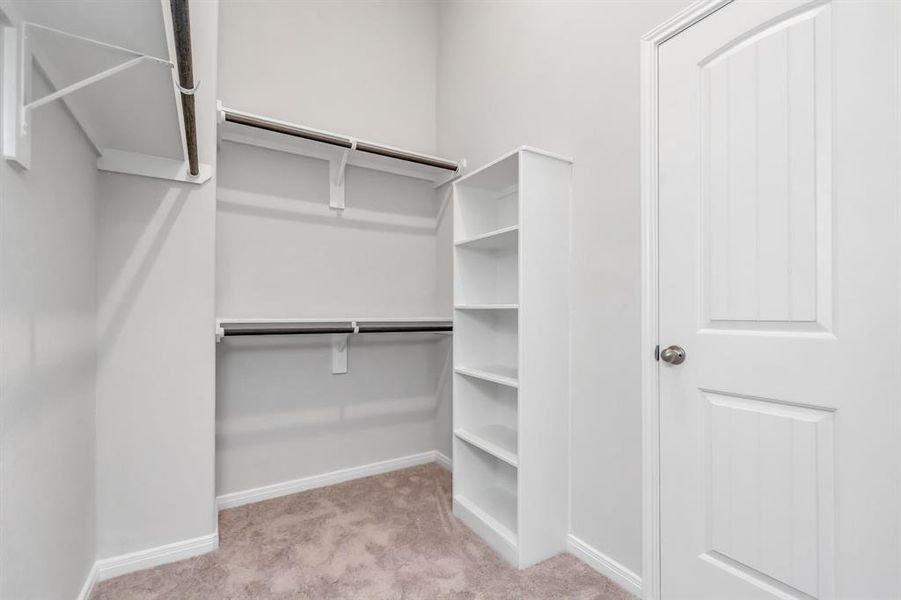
{"points": [[361, 328], [343, 142], [181, 25]]}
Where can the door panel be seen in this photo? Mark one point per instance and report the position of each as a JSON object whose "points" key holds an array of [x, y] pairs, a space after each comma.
{"points": [[780, 264], [771, 494], [764, 122]]}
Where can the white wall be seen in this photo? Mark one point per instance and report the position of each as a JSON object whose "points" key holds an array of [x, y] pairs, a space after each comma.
{"points": [[564, 76], [48, 353], [282, 415], [360, 67], [281, 252], [155, 388]]}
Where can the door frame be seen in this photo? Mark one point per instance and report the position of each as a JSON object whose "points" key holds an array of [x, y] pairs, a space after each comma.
{"points": [[650, 409]]}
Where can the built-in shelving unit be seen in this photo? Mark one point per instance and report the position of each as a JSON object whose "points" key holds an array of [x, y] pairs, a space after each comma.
{"points": [[511, 353]]}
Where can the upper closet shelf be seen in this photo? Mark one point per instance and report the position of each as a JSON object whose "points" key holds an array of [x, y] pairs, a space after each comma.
{"points": [[114, 66], [340, 150]]}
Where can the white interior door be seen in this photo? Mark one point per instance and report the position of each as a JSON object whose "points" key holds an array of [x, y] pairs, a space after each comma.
{"points": [[780, 264]]}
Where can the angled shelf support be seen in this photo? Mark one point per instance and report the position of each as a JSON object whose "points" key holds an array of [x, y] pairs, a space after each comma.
{"points": [[339, 350], [337, 169], [18, 63], [21, 53]]}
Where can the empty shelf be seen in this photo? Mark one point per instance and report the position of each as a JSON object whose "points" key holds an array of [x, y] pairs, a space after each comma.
{"points": [[487, 306], [497, 373], [506, 237], [495, 507], [497, 440]]}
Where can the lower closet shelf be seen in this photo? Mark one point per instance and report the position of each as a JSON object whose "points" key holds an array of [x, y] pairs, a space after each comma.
{"points": [[492, 514], [497, 440]]}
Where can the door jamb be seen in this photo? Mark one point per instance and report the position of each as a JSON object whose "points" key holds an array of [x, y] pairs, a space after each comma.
{"points": [[650, 415]]}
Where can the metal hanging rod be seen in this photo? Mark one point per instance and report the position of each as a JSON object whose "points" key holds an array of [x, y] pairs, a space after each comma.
{"points": [[336, 140], [340, 331], [181, 25], [333, 330], [351, 327]]}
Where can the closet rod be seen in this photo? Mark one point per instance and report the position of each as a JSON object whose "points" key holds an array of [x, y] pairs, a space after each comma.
{"points": [[362, 328], [334, 140], [181, 25]]}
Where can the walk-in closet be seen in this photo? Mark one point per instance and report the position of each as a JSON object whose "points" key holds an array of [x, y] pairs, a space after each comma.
{"points": [[450, 299]]}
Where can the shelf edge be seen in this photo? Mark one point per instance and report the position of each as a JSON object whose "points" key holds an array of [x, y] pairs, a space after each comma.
{"points": [[486, 236], [486, 445], [487, 376]]}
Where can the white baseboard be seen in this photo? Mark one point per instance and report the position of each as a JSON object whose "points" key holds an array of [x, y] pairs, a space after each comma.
{"points": [[443, 460], [107, 568], [303, 484], [603, 564], [88, 585]]}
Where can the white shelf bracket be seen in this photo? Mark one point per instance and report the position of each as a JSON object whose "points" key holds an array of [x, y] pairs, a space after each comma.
{"points": [[445, 203], [339, 350], [220, 332], [336, 172], [18, 62], [461, 166]]}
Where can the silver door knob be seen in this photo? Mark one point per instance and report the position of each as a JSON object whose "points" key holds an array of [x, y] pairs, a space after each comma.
{"points": [[673, 355]]}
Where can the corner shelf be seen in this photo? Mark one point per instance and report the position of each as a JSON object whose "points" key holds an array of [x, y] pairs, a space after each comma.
{"points": [[125, 100]]}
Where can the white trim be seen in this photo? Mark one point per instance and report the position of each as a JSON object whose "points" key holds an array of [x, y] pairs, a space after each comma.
{"points": [[115, 566], [303, 484], [88, 587], [514, 152], [603, 564], [107, 568], [444, 461], [146, 165], [650, 417]]}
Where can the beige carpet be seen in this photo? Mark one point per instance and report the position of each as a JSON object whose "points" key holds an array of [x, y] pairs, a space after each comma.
{"points": [[388, 536]]}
